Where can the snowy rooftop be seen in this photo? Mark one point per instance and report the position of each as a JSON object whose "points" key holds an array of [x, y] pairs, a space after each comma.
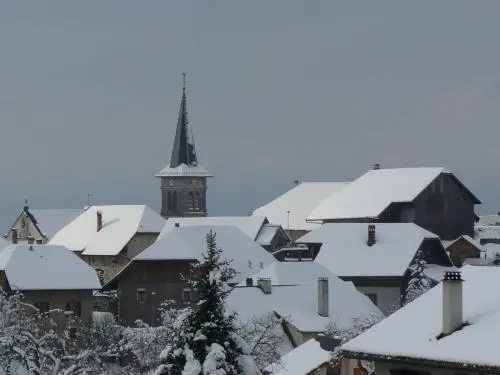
{"points": [[301, 361], [50, 221], [472, 345], [369, 195], [467, 238], [189, 243], [250, 225], [267, 233], [184, 170], [119, 224], [345, 252], [46, 267], [3, 243], [486, 220], [487, 232], [294, 295], [300, 201]]}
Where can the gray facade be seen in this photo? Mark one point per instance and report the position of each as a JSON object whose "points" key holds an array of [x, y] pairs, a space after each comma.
{"points": [[183, 196]]}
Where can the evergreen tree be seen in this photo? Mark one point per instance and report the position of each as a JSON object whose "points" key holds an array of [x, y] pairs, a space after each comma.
{"points": [[418, 281], [205, 340]]}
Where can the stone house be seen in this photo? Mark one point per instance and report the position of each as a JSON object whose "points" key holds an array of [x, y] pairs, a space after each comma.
{"points": [[39, 225], [291, 209], [159, 273], [443, 332], [62, 280], [433, 198], [270, 236], [108, 237], [375, 257]]}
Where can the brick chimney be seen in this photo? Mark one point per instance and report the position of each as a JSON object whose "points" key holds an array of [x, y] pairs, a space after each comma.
{"points": [[452, 302], [14, 235], [99, 220], [264, 283], [31, 240], [323, 296], [371, 235]]}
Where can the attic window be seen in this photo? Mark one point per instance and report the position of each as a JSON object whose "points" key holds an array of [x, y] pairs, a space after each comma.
{"points": [[141, 295]]}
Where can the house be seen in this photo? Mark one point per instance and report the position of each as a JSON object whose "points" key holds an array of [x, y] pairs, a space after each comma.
{"points": [[487, 229], [291, 209], [375, 257], [307, 359], [308, 298], [462, 248], [158, 273], [270, 236], [40, 225], [49, 277], [451, 329], [433, 198], [108, 237]]}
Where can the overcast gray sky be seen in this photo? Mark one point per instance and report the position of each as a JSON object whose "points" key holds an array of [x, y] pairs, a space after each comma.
{"points": [[277, 91]]}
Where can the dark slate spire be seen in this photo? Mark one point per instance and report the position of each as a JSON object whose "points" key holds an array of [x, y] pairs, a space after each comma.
{"points": [[183, 151]]}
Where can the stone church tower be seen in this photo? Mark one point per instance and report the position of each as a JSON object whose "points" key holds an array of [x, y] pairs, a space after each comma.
{"points": [[183, 180]]}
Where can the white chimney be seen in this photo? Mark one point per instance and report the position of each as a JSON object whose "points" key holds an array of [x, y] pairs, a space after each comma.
{"points": [[264, 283], [452, 302], [323, 296]]}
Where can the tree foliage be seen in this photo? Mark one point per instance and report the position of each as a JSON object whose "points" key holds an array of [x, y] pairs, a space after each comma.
{"points": [[418, 282], [205, 339]]}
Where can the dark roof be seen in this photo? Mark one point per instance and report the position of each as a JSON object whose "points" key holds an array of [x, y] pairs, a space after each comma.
{"points": [[183, 151]]}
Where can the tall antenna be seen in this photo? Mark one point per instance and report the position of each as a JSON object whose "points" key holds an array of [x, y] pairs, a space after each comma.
{"points": [[183, 82], [89, 196]]}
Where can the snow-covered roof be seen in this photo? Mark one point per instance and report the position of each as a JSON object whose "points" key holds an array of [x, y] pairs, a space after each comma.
{"points": [[436, 272], [300, 201], [46, 267], [294, 296], [184, 170], [467, 238], [302, 360], [250, 225], [189, 243], [267, 234], [345, 252], [369, 195], [472, 345], [487, 220], [50, 221], [4, 243], [119, 224], [487, 232], [491, 250]]}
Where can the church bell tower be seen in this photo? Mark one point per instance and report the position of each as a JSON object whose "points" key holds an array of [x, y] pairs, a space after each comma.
{"points": [[183, 180]]}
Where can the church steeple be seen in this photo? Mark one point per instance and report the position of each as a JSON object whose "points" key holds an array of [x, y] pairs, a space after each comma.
{"points": [[183, 180], [183, 151]]}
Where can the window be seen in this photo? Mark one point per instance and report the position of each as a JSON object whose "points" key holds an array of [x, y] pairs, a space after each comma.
{"points": [[23, 223], [43, 307], [141, 295], [186, 295], [74, 307], [372, 297]]}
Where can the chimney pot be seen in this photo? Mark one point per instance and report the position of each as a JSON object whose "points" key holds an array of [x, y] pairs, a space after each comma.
{"points": [[31, 240], [323, 296], [176, 225], [249, 281], [371, 235], [452, 301], [376, 166], [264, 283], [14, 236], [99, 220]]}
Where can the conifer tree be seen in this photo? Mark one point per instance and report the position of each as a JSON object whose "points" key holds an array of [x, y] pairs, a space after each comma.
{"points": [[205, 339]]}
